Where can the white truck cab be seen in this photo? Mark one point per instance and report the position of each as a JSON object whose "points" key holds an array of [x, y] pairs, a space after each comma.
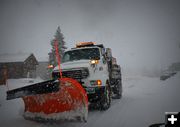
{"points": [[88, 63]]}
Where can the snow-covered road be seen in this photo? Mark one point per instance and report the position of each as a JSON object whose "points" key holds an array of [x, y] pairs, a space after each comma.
{"points": [[145, 101]]}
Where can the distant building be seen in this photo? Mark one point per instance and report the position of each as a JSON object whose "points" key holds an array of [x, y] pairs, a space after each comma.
{"points": [[17, 66]]}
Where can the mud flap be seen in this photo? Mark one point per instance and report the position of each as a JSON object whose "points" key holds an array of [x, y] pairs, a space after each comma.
{"points": [[69, 102]]}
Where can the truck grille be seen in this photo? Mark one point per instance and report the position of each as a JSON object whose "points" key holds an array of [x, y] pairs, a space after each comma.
{"points": [[74, 73]]}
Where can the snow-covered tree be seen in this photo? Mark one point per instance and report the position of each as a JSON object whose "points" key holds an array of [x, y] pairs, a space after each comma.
{"points": [[61, 47]]}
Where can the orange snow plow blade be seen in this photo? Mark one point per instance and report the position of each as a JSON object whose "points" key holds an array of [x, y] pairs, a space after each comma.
{"points": [[69, 102]]}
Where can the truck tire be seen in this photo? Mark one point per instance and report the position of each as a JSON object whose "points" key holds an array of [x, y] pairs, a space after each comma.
{"points": [[105, 102], [118, 90]]}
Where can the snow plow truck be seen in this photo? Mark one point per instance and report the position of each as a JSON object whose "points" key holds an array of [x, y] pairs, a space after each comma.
{"points": [[94, 67], [88, 74]]}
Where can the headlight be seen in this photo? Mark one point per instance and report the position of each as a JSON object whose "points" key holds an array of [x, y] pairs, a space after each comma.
{"points": [[50, 66], [94, 61]]}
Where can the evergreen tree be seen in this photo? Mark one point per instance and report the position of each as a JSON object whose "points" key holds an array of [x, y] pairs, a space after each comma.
{"points": [[61, 47]]}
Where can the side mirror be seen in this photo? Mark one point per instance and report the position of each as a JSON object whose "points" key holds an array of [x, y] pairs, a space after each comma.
{"points": [[103, 60], [103, 51]]}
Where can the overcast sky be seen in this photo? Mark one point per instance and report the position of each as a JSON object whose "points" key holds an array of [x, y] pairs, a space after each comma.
{"points": [[141, 33]]}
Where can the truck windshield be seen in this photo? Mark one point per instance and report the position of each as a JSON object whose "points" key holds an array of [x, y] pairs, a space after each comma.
{"points": [[81, 54]]}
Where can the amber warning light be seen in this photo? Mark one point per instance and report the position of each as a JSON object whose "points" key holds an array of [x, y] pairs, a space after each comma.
{"points": [[83, 44]]}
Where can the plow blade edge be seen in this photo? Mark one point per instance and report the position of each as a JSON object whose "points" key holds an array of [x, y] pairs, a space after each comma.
{"points": [[63, 99]]}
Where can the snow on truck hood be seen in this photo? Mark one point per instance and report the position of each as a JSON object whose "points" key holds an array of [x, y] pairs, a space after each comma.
{"points": [[74, 64]]}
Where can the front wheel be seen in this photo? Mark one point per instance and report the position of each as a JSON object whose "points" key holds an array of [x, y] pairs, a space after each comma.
{"points": [[105, 102]]}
